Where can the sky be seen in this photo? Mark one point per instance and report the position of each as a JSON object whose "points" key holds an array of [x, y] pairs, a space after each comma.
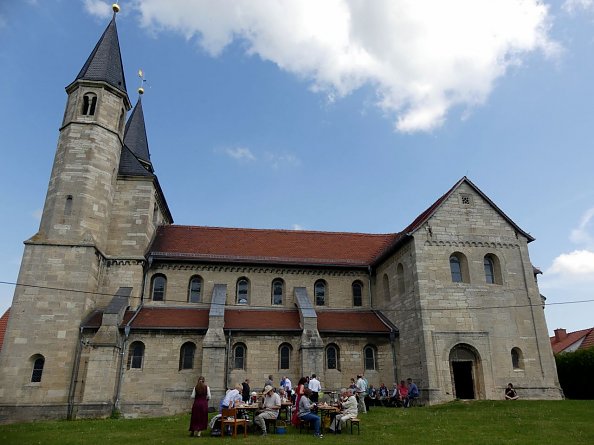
{"points": [[342, 115]]}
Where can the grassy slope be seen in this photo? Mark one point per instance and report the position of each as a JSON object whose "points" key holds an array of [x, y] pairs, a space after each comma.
{"points": [[484, 422]]}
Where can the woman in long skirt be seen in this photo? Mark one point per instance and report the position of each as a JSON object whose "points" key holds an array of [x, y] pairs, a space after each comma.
{"points": [[201, 395]]}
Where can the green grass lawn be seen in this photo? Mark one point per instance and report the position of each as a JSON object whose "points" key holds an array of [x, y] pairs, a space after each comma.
{"points": [[480, 422]]}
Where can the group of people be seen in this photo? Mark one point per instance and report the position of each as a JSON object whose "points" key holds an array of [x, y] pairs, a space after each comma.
{"points": [[357, 398]]}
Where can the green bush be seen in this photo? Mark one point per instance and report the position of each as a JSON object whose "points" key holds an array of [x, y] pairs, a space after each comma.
{"points": [[575, 370]]}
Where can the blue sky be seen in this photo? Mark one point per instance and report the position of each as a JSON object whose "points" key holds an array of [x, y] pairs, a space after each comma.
{"points": [[345, 116]]}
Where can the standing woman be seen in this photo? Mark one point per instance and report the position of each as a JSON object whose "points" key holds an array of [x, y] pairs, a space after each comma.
{"points": [[298, 393], [199, 419]]}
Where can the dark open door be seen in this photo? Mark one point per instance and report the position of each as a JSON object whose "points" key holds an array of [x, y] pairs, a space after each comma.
{"points": [[463, 379]]}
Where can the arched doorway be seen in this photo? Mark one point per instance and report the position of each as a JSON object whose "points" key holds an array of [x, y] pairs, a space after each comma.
{"points": [[465, 371]]}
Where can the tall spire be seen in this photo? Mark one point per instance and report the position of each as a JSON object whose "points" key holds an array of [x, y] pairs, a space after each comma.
{"points": [[105, 62], [135, 135]]}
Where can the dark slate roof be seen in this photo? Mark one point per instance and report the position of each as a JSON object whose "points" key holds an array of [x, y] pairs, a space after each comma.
{"points": [[131, 166], [135, 135], [105, 62]]}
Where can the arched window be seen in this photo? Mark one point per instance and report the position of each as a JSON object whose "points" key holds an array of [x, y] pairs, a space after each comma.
{"points": [[516, 358], [386, 282], [278, 290], [89, 104], [492, 269], [243, 291], [158, 287], [332, 357], [136, 355], [400, 280], [284, 356], [195, 290], [239, 356], [68, 206], [320, 292], [186, 355], [369, 357], [357, 293], [38, 363], [459, 268]]}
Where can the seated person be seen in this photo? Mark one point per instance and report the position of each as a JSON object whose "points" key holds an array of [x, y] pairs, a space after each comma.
{"points": [[271, 406], [510, 392], [373, 395], [403, 393], [383, 395], [349, 411], [305, 414], [413, 390], [395, 396], [232, 397]]}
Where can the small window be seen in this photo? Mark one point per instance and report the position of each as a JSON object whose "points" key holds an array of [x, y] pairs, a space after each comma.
{"points": [[357, 293], [38, 363], [332, 357], [489, 270], [516, 358], [459, 268], [243, 291], [136, 355], [89, 104], [284, 356], [195, 290], [400, 280], [239, 355], [158, 287], [369, 356], [320, 292], [386, 282], [278, 290], [68, 206], [186, 356]]}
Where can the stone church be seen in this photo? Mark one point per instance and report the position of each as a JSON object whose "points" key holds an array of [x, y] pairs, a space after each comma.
{"points": [[120, 309]]}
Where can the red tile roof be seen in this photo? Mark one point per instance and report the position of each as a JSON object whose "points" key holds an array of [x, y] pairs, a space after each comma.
{"points": [[342, 321], [353, 321], [297, 247], [562, 340], [269, 246], [3, 326]]}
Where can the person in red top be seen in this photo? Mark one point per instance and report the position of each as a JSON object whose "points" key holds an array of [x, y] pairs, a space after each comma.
{"points": [[403, 393]]}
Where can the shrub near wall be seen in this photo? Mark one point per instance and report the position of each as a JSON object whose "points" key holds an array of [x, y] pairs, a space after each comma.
{"points": [[576, 371]]}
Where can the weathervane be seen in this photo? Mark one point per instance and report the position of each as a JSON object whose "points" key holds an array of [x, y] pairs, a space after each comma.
{"points": [[142, 80], [115, 7]]}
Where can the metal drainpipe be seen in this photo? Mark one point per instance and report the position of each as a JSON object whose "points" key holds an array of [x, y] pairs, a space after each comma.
{"points": [[74, 376], [227, 361], [121, 358], [369, 291]]}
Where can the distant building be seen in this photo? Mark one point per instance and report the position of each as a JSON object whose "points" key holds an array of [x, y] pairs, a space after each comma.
{"points": [[564, 341], [122, 309]]}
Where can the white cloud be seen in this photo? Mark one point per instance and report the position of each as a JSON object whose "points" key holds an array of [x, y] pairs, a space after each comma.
{"points": [[98, 8], [422, 58], [583, 234], [576, 264], [239, 153], [572, 6], [280, 160]]}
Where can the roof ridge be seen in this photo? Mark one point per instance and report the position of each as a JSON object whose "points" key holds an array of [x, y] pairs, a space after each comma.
{"points": [[243, 229]]}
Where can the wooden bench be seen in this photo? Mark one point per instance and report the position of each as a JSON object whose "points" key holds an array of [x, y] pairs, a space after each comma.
{"points": [[353, 421]]}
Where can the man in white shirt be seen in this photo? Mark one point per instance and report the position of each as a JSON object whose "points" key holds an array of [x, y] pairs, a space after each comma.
{"points": [[288, 385], [316, 387], [349, 411], [361, 392]]}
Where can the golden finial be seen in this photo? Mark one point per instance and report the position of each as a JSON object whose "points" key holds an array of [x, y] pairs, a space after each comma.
{"points": [[116, 8], [142, 80]]}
